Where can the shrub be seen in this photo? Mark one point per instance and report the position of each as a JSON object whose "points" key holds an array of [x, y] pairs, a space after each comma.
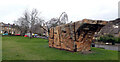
{"points": [[109, 38], [9, 34]]}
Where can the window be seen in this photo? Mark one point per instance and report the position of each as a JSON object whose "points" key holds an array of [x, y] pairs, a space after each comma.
{"points": [[1, 24], [115, 26], [95, 32], [1, 31], [12, 32]]}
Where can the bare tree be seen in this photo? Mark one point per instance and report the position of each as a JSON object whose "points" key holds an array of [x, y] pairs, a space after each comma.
{"points": [[63, 18], [58, 21], [52, 22], [22, 25], [30, 21]]}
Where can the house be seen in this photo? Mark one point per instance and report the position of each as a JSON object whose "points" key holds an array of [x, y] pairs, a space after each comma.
{"points": [[112, 28], [8, 28]]}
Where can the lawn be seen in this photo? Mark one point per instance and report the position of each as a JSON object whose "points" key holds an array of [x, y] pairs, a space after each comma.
{"points": [[23, 48]]}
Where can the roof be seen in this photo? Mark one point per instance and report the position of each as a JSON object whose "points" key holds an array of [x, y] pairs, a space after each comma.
{"points": [[112, 27]]}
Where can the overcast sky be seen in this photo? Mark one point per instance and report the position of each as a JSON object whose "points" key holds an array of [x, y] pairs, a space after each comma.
{"points": [[77, 10]]}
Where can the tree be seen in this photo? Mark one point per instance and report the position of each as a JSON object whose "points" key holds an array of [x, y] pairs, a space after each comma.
{"points": [[22, 25], [30, 21], [53, 22], [63, 18], [109, 38]]}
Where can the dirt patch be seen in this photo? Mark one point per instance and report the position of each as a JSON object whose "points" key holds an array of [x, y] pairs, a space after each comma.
{"points": [[87, 52]]}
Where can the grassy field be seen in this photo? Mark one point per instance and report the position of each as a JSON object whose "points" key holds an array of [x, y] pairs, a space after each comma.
{"points": [[23, 48]]}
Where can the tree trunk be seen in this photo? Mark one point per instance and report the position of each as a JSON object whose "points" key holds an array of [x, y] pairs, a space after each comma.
{"points": [[30, 34]]}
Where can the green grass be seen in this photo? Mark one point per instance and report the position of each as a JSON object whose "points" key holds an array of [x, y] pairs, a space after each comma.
{"points": [[23, 48], [0, 48]]}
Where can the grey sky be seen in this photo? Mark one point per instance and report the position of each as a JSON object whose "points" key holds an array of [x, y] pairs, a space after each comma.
{"points": [[10, 10]]}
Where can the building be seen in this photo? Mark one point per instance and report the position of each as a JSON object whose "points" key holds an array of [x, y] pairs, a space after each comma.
{"points": [[8, 28], [112, 28]]}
